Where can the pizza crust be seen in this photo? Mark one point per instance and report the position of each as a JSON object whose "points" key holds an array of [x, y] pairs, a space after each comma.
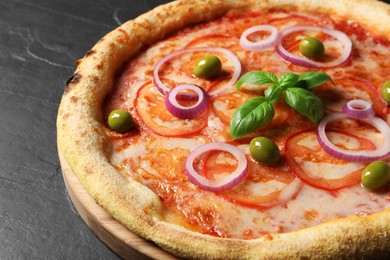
{"points": [[86, 148]]}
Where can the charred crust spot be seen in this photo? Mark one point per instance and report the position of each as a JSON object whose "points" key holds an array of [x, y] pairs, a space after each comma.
{"points": [[95, 80], [90, 52], [124, 37], [122, 31], [74, 99], [78, 62], [112, 45], [71, 81], [74, 79], [100, 66]]}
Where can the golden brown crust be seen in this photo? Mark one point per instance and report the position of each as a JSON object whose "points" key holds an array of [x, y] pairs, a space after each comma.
{"points": [[85, 146]]}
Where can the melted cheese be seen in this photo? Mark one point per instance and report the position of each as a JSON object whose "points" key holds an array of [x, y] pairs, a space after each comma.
{"points": [[158, 161], [267, 187], [328, 170]]}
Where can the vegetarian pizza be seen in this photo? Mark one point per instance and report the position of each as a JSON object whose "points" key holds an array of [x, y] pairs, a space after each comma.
{"points": [[239, 129]]}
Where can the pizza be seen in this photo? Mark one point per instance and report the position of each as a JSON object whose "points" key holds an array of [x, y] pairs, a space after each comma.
{"points": [[239, 129]]}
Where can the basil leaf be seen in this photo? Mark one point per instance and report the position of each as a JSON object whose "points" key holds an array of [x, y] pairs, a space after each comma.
{"points": [[288, 80], [313, 79], [273, 93], [305, 102], [257, 78], [250, 116]]}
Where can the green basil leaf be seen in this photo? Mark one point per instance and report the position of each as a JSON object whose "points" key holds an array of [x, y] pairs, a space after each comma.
{"points": [[313, 79], [288, 80], [273, 93], [257, 78], [250, 116], [305, 102]]}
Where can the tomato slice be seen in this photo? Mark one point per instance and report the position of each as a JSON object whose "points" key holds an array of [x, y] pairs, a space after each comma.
{"points": [[216, 40], [225, 105], [348, 88], [378, 103], [291, 20], [264, 186], [152, 111], [216, 164], [291, 43], [308, 161], [180, 70]]}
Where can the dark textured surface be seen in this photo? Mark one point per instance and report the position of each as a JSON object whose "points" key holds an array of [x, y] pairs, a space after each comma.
{"points": [[39, 42]]}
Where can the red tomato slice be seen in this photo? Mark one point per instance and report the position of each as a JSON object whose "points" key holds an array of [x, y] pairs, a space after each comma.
{"points": [[152, 111], [308, 161], [216, 40], [348, 88], [180, 70], [291, 20], [378, 103], [216, 164], [283, 112], [224, 106], [291, 43], [264, 186]]}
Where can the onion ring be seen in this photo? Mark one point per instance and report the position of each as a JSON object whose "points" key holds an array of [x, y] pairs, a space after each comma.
{"points": [[305, 62], [230, 55], [224, 183], [359, 109], [187, 112], [259, 45], [355, 156]]}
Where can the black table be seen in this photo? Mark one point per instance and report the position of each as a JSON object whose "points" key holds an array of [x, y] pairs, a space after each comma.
{"points": [[40, 40]]}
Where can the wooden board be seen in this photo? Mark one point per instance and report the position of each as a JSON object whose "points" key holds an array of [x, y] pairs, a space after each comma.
{"points": [[112, 233]]}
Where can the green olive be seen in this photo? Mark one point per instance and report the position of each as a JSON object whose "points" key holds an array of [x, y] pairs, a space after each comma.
{"points": [[375, 175], [120, 121], [264, 150], [312, 48], [208, 67], [386, 92]]}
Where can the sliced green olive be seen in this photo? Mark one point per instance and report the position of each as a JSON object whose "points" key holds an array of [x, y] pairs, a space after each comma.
{"points": [[312, 48], [375, 175], [264, 150], [120, 121], [386, 92], [208, 67]]}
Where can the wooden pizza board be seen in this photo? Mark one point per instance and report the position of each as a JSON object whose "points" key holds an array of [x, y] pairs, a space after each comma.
{"points": [[112, 233]]}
